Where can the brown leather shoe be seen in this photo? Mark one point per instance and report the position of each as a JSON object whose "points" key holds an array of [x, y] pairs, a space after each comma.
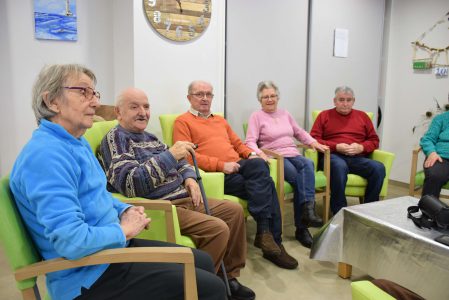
{"points": [[283, 260], [266, 242]]}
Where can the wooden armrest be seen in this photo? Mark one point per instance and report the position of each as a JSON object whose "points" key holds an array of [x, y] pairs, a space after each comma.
{"points": [[164, 205], [272, 153], [416, 150], [181, 255]]}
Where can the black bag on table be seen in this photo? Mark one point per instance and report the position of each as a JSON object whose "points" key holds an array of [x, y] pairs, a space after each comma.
{"points": [[435, 213]]}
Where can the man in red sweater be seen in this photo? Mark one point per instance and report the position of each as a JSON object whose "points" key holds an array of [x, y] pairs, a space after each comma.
{"points": [[246, 175], [351, 137]]}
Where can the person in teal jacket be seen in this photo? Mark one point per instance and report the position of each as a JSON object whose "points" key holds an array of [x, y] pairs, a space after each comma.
{"points": [[435, 145], [60, 191]]}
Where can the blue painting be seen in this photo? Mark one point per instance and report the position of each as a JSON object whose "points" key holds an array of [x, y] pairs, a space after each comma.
{"points": [[55, 20]]}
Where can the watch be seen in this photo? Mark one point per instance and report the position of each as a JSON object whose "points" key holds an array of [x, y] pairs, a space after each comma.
{"points": [[178, 20], [252, 154]]}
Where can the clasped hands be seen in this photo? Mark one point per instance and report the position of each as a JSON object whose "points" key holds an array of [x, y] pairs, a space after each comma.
{"points": [[133, 220], [349, 149]]}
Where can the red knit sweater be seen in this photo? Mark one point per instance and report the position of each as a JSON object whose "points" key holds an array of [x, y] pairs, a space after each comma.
{"points": [[217, 142], [331, 128]]}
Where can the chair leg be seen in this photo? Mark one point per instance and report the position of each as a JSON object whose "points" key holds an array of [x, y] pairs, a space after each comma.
{"points": [[326, 208], [362, 200]]}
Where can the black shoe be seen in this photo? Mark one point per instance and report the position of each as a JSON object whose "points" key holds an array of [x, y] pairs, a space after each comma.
{"points": [[304, 237], [309, 217], [283, 260], [239, 291]]}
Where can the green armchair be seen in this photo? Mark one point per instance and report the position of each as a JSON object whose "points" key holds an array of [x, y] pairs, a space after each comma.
{"points": [[27, 264], [162, 213], [214, 181], [356, 185]]}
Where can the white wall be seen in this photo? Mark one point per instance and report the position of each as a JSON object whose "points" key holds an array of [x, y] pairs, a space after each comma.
{"points": [[123, 46], [117, 43], [266, 40], [164, 69], [360, 70], [409, 94], [22, 56]]}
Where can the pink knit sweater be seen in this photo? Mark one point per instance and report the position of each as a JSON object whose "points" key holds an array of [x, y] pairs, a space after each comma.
{"points": [[275, 131]]}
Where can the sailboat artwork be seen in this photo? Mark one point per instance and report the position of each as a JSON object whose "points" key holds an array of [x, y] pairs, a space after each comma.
{"points": [[55, 20]]}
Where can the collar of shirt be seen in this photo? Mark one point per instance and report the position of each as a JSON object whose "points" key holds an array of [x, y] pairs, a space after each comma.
{"points": [[198, 114]]}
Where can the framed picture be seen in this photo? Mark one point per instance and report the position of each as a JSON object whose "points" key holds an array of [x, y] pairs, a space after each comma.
{"points": [[55, 20]]}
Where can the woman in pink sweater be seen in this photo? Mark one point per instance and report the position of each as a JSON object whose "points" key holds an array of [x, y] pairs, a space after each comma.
{"points": [[275, 129]]}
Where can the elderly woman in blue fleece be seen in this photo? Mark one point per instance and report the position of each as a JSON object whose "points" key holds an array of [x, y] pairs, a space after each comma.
{"points": [[60, 191]]}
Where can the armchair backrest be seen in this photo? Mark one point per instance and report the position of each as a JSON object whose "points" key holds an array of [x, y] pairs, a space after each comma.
{"points": [[19, 247], [167, 122], [95, 134], [315, 114]]}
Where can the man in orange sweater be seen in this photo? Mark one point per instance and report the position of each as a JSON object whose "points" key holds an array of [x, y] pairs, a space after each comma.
{"points": [[246, 175]]}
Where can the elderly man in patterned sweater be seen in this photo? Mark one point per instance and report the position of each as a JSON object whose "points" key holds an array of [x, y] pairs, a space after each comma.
{"points": [[137, 164]]}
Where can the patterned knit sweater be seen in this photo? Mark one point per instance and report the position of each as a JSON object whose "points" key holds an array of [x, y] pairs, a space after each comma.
{"points": [[139, 165]]}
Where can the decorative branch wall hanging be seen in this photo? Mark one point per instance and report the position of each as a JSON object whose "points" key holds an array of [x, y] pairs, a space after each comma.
{"points": [[435, 57], [427, 117]]}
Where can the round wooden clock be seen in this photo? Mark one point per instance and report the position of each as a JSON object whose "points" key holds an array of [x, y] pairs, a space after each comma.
{"points": [[178, 20]]}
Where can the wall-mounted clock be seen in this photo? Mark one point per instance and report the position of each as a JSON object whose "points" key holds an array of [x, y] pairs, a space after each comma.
{"points": [[178, 20]]}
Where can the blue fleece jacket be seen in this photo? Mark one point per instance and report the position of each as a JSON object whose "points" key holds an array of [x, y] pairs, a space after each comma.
{"points": [[60, 191]]}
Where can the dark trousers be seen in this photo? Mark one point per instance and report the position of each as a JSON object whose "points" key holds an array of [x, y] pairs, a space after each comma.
{"points": [[155, 280], [254, 183], [435, 177], [341, 165], [300, 173]]}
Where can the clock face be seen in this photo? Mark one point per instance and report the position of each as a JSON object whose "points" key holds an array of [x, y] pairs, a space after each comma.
{"points": [[178, 20]]}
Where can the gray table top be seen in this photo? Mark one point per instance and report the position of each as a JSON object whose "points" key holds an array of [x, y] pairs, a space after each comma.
{"points": [[379, 238]]}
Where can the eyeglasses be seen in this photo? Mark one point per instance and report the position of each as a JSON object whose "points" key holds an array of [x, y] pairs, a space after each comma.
{"points": [[201, 95], [87, 92], [272, 97]]}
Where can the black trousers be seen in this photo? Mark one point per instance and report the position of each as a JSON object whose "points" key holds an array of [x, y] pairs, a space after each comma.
{"points": [[435, 177], [155, 280]]}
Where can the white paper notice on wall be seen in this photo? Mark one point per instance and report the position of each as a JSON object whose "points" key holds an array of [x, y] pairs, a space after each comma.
{"points": [[341, 37]]}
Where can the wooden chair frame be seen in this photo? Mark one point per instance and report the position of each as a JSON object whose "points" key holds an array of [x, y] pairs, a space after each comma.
{"points": [[280, 176], [181, 255]]}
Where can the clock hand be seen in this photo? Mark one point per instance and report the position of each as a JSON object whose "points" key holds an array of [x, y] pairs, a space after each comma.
{"points": [[179, 3]]}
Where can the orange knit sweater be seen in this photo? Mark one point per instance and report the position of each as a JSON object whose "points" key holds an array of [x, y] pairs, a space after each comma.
{"points": [[217, 142]]}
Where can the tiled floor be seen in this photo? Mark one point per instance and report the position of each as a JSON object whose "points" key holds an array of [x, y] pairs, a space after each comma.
{"points": [[313, 279]]}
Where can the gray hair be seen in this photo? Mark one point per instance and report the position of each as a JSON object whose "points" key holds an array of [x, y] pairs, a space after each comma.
{"points": [[344, 89], [195, 82], [51, 80], [268, 84]]}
